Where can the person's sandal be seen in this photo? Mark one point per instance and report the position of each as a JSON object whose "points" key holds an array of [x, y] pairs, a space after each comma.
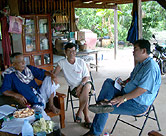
{"points": [[101, 107], [78, 119], [87, 125]]}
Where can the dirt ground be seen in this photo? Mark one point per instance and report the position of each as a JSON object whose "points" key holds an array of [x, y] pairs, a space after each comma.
{"points": [[110, 68]]}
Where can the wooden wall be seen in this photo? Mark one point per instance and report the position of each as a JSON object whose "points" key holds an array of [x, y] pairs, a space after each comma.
{"points": [[39, 6], [62, 9], [44, 6]]}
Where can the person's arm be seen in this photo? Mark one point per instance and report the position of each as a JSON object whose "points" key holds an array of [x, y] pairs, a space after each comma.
{"points": [[83, 82], [133, 94], [57, 70], [80, 86], [7, 89], [17, 96], [123, 83], [53, 74]]}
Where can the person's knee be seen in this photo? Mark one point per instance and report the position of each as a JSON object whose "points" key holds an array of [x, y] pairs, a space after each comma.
{"points": [[87, 87], [109, 80]]}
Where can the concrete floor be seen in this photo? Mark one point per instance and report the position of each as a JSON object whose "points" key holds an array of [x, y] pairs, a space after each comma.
{"points": [[109, 68]]}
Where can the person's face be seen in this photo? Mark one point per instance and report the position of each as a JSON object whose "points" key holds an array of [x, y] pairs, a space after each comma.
{"points": [[19, 63], [138, 53], [71, 53]]}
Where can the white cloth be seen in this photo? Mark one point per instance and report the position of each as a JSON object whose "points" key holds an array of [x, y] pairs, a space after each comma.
{"points": [[47, 89], [27, 78], [74, 73], [14, 126]]}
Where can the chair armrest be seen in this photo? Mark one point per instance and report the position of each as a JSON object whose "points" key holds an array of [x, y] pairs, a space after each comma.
{"points": [[60, 95], [59, 100]]}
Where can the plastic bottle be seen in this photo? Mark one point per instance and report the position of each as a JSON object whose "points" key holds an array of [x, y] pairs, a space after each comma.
{"points": [[106, 134], [27, 129]]}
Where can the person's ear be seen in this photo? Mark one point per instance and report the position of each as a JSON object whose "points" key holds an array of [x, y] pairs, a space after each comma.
{"points": [[13, 64], [144, 51], [65, 52]]}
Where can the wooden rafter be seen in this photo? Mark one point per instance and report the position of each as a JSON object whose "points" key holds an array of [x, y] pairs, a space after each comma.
{"points": [[103, 6], [106, 4]]}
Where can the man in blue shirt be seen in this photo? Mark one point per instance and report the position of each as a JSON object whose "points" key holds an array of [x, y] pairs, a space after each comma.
{"points": [[19, 82], [138, 93]]}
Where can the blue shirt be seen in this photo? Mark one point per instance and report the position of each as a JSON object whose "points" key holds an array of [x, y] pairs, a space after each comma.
{"points": [[12, 82], [145, 75]]}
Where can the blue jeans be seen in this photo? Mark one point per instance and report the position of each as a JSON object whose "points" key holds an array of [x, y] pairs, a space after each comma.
{"points": [[129, 107]]}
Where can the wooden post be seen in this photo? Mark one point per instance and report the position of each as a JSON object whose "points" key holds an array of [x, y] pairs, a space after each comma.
{"points": [[139, 19], [72, 17], [115, 32]]}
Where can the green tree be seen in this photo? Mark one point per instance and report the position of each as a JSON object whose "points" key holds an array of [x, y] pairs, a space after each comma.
{"points": [[101, 21], [154, 18]]}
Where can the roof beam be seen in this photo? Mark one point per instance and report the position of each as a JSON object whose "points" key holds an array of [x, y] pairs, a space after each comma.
{"points": [[101, 6], [104, 3]]}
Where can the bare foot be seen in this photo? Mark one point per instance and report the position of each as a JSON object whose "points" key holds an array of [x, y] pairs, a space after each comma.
{"points": [[54, 109]]}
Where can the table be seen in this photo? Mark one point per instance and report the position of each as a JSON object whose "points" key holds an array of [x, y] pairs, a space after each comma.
{"points": [[8, 134], [79, 54], [8, 100], [88, 52]]}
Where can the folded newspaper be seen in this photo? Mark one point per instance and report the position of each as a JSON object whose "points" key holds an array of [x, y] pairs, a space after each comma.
{"points": [[117, 85]]}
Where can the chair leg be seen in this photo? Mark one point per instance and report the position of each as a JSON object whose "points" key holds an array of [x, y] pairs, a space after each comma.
{"points": [[62, 121], [62, 115], [67, 100], [144, 124], [115, 124], [95, 97], [91, 96], [71, 100], [89, 99], [147, 116], [155, 114]]}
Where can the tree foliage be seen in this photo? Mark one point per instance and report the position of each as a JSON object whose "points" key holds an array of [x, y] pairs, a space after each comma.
{"points": [[101, 21]]}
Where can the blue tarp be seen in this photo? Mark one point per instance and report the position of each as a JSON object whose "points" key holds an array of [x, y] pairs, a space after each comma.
{"points": [[133, 31]]}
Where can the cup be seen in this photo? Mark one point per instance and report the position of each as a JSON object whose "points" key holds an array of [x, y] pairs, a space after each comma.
{"points": [[41, 133]]}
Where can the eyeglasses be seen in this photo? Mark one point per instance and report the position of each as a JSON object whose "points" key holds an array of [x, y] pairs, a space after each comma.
{"points": [[71, 51]]}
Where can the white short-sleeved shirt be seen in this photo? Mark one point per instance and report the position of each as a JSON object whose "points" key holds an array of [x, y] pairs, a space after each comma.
{"points": [[74, 73]]}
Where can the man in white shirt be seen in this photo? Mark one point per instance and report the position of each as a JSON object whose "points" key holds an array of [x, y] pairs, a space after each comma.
{"points": [[77, 76]]}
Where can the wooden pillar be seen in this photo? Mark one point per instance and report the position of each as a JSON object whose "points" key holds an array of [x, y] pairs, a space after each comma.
{"points": [[115, 31], [72, 17], [139, 19]]}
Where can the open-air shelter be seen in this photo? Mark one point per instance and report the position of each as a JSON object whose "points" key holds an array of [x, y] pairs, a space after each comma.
{"points": [[63, 12]]}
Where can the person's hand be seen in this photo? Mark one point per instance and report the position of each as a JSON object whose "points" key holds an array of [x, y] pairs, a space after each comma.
{"points": [[118, 100], [78, 90], [121, 82], [54, 78], [21, 99]]}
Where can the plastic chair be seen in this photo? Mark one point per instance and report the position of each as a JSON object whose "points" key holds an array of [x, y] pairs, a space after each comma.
{"points": [[73, 99], [146, 115]]}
